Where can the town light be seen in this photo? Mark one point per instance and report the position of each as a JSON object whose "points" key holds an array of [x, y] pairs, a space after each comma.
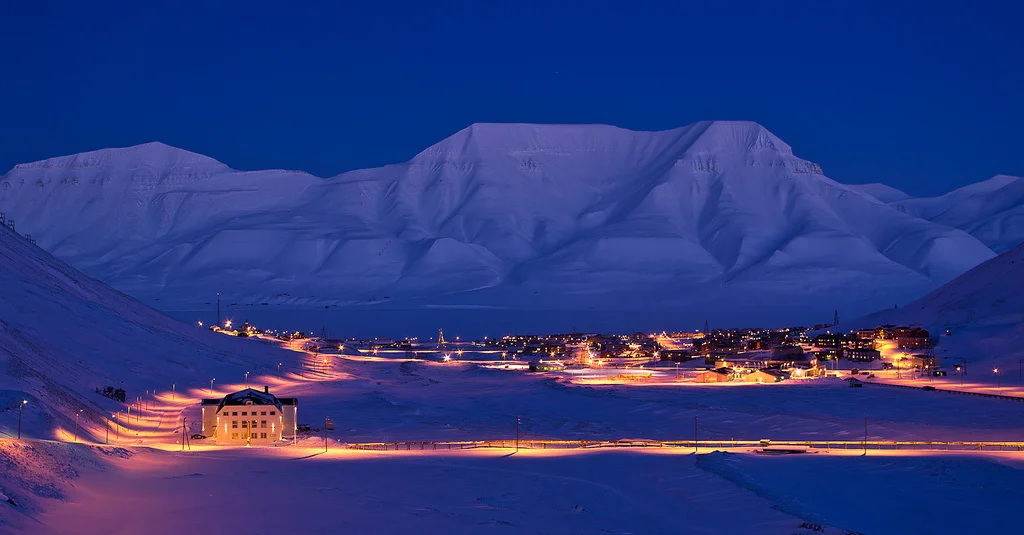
{"points": [[227, 323]]}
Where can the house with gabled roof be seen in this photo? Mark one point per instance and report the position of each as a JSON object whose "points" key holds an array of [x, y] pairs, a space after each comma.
{"points": [[250, 417]]}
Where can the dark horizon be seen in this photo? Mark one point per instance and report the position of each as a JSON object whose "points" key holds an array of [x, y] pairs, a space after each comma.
{"points": [[923, 102]]}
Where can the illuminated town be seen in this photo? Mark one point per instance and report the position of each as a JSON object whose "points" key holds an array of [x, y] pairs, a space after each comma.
{"points": [[526, 269]]}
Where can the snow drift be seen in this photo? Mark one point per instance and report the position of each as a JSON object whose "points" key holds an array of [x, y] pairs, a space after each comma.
{"points": [[715, 214]]}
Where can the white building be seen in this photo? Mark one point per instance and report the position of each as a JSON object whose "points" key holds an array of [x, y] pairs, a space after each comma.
{"points": [[250, 417]]}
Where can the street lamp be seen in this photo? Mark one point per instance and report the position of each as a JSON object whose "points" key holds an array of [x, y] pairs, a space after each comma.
{"points": [[20, 407], [76, 423], [227, 324], [199, 324], [247, 379], [106, 439], [518, 421], [279, 367], [998, 381], [211, 385]]}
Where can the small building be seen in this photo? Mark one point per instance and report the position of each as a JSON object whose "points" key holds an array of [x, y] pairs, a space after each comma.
{"points": [[915, 338], [762, 376], [860, 354], [250, 417], [717, 375]]}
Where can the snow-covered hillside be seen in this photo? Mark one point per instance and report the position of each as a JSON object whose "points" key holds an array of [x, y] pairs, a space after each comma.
{"points": [[715, 214], [63, 334], [982, 310]]}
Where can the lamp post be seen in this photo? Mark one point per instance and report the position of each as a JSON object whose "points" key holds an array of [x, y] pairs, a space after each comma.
{"points": [[211, 385], [20, 407], [117, 425], [106, 427], [279, 368], [76, 423], [998, 380], [518, 421], [172, 391], [247, 379], [865, 434]]}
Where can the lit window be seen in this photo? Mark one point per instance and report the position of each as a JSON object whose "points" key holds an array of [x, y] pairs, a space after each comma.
{"points": [[234, 436]]}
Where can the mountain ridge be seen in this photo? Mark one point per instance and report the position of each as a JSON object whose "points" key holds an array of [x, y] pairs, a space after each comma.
{"points": [[567, 214]]}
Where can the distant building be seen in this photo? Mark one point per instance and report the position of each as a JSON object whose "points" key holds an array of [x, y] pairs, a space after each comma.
{"points": [[862, 354], [250, 417], [762, 376], [717, 375], [867, 334], [916, 338]]}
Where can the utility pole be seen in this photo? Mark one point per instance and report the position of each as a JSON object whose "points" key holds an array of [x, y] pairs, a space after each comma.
{"points": [[694, 434], [218, 309], [117, 425], [325, 433]]}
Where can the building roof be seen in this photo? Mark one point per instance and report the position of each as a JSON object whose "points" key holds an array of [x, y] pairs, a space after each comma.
{"points": [[242, 397]]}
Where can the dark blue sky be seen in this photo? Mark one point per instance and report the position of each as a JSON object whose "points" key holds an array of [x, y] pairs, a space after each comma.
{"points": [[924, 96]]}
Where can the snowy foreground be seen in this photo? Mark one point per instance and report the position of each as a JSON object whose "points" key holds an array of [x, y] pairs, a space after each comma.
{"points": [[145, 484]]}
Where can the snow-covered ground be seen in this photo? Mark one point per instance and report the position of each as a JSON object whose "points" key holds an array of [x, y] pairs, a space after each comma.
{"points": [[129, 489], [717, 216]]}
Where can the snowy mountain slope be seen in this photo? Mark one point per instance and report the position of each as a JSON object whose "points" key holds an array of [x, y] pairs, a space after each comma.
{"points": [[63, 334], [983, 310], [992, 211], [518, 214], [992, 291]]}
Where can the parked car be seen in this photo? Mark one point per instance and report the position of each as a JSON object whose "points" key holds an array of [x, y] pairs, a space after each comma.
{"points": [[928, 388], [198, 437], [871, 376]]}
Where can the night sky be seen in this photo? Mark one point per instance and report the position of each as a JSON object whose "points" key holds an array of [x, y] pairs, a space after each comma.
{"points": [[926, 96]]}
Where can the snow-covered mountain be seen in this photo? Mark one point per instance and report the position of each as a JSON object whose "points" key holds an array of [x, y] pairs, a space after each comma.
{"points": [[992, 211], [715, 214]]}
